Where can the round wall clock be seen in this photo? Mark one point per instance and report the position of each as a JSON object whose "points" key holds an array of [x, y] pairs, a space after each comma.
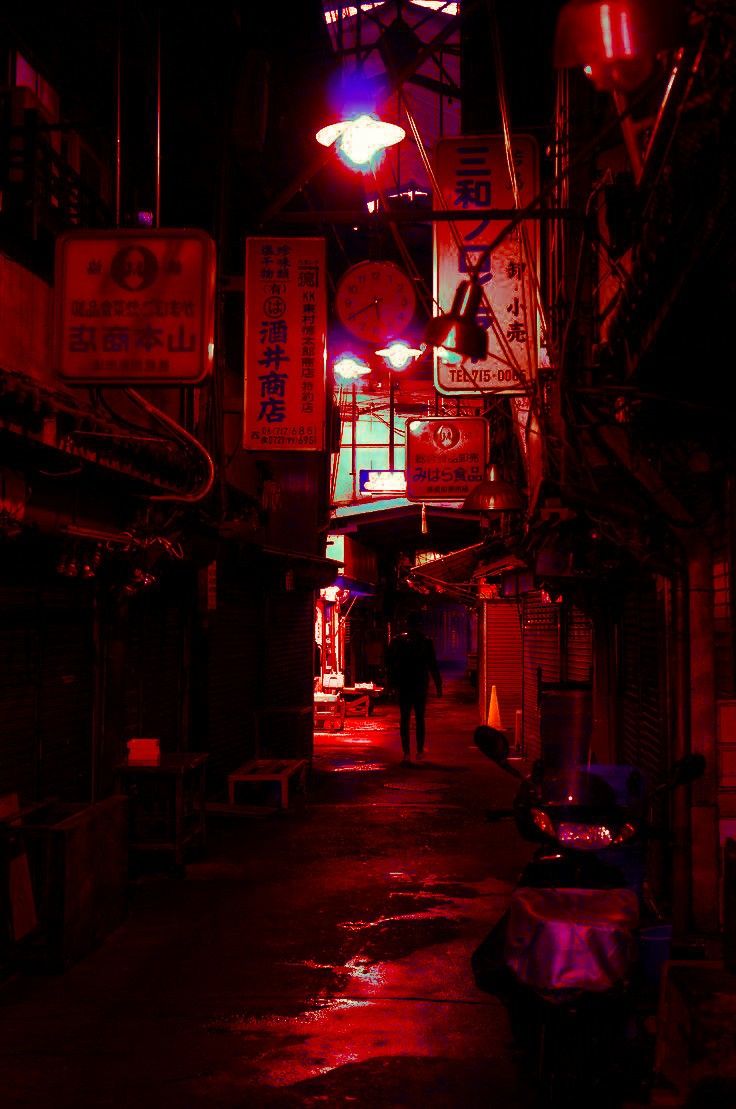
{"points": [[375, 301]]}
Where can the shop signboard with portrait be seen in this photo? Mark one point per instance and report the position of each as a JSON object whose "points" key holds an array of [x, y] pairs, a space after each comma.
{"points": [[135, 307], [446, 457]]}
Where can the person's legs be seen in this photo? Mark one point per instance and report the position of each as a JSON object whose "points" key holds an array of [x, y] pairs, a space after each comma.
{"points": [[405, 704], [420, 701]]}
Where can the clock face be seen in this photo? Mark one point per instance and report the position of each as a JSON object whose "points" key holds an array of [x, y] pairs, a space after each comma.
{"points": [[375, 301]]}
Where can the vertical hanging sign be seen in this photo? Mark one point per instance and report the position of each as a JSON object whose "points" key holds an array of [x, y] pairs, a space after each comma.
{"points": [[285, 344], [472, 172]]}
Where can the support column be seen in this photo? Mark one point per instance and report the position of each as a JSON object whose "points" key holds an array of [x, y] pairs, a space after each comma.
{"points": [[704, 812]]}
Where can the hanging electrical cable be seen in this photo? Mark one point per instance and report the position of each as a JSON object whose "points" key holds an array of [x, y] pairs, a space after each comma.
{"points": [[531, 269], [184, 436]]}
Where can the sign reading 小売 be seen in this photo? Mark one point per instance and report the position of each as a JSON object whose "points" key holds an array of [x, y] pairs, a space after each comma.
{"points": [[134, 307], [285, 344], [472, 172], [445, 457]]}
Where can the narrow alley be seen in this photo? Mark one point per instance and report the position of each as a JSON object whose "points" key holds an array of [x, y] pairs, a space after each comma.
{"points": [[316, 957]]}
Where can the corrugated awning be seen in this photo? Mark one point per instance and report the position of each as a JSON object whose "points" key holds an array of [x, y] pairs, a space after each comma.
{"points": [[459, 572]]}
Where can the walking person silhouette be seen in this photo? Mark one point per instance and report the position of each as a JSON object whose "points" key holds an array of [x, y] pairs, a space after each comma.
{"points": [[410, 662]]}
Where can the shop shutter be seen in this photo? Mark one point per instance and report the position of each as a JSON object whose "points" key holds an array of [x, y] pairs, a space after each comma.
{"points": [[723, 627], [579, 653], [287, 728], [643, 720], [155, 680], [66, 691], [19, 671], [46, 691], [504, 667], [541, 634], [234, 662]]}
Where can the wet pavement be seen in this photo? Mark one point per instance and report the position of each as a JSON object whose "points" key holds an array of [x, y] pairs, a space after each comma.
{"points": [[318, 957]]}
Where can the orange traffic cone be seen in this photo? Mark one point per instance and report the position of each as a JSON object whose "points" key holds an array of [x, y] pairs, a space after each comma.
{"points": [[494, 713]]}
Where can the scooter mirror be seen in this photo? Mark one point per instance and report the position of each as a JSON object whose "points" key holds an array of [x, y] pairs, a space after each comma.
{"points": [[686, 770]]}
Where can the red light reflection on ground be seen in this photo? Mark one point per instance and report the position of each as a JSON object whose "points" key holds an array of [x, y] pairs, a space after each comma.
{"points": [[422, 1004], [358, 768]]}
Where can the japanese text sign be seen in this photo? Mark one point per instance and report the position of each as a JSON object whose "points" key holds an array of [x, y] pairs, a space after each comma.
{"points": [[135, 306], [445, 457], [472, 173], [383, 483], [285, 344]]}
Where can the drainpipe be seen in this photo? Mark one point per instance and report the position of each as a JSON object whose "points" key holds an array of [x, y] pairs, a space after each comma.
{"points": [[681, 883], [704, 828]]}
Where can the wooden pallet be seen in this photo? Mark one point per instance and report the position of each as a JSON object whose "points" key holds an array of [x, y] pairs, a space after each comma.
{"points": [[282, 771]]}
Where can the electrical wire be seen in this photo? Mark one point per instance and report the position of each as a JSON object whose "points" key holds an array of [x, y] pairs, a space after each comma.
{"points": [[186, 437]]}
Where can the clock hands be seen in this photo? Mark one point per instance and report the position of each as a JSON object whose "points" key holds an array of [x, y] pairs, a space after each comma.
{"points": [[371, 304]]}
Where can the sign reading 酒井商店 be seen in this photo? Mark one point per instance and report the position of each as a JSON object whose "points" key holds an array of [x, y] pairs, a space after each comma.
{"points": [[445, 457], [472, 172], [285, 344], [135, 306]]}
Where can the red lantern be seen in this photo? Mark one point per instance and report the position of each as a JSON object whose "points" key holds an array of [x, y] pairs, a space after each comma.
{"points": [[616, 42]]}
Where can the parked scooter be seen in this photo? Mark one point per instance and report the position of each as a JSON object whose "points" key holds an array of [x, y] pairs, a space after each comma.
{"points": [[565, 955]]}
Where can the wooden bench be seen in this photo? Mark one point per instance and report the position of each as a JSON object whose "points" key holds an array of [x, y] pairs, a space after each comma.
{"points": [[282, 771]]}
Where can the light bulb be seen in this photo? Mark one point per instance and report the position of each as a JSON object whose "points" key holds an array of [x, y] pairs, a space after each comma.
{"points": [[399, 354]]}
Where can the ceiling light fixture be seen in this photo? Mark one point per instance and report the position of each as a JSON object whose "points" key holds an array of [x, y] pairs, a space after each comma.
{"points": [[348, 367], [493, 494], [361, 140], [399, 354]]}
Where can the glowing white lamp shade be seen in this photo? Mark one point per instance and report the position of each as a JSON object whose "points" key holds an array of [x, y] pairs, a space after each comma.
{"points": [[348, 367], [399, 354], [358, 141]]}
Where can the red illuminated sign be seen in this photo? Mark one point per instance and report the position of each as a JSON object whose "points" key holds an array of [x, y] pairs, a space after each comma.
{"points": [[135, 307], [445, 457], [285, 344], [473, 173]]}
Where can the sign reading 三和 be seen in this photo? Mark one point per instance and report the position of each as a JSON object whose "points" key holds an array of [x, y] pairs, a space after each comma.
{"points": [[135, 306], [445, 457], [472, 172], [285, 344]]}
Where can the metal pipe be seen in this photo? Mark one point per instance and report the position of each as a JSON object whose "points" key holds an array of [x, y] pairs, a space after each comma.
{"points": [[629, 134], [157, 211], [353, 443], [428, 215], [681, 896], [187, 437], [391, 419], [118, 117]]}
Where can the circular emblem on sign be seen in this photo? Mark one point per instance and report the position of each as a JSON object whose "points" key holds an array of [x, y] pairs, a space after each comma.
{"points": [[446, 436], [274, 307], [134, 268]]}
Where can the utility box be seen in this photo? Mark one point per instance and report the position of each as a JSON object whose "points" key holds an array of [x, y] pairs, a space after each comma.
{"points": [[78, 858], [565, 724]]}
